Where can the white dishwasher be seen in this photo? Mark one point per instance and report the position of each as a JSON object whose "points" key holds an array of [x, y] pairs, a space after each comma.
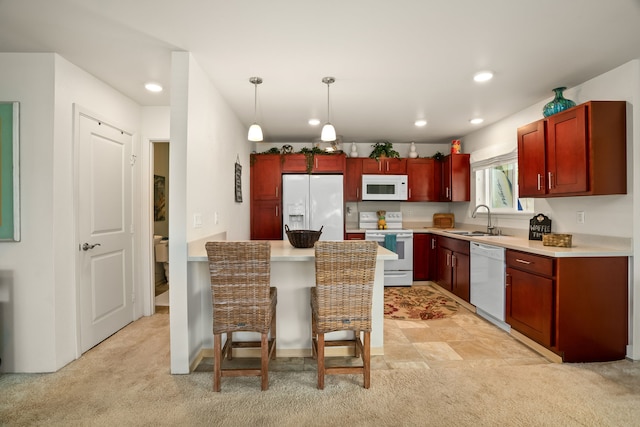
{"points": [[488, 283]]}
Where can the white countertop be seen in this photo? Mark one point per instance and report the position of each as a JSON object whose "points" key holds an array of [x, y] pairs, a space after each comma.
{"points": [[281, 250], [592, 248]]}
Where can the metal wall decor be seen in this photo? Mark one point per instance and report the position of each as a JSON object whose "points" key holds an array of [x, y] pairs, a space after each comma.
{"points": [[10, 171]]}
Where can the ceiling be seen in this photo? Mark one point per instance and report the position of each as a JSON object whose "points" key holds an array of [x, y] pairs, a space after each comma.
{"points": [[393, 61]]}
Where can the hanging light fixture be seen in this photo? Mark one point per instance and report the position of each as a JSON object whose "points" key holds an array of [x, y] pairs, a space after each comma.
{"points": [[255, 131], [328, 131]]}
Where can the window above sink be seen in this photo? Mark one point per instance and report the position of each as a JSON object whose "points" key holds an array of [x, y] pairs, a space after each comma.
{"points": [[496, 183]]}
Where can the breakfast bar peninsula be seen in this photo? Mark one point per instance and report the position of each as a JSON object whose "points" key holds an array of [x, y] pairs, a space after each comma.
{"points": [[293, 273]]}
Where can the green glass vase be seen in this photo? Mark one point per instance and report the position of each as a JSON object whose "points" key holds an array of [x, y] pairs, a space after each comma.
{"points": [[559, 103]]}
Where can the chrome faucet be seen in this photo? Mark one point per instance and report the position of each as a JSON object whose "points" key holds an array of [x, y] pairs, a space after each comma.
{"points": [[490, 228]]}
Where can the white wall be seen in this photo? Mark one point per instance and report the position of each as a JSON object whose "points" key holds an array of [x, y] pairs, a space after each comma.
{"points": [[37, 276], [605, 215], [27, 298], [155, 127], [206, 140]]}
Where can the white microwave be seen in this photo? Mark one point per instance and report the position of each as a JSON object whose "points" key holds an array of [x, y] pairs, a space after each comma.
{"points": [[384, 187]]}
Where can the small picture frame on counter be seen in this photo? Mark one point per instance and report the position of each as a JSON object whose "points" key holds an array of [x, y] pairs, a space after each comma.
{"points": [[539, 225]]}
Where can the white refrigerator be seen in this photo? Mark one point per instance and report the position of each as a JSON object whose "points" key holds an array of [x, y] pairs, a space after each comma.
{"points": [[313, 201]]}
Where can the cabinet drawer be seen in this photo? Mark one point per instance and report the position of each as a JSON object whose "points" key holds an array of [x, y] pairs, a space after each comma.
{"points": [[456, 245], [355, 236], [529, 262]]}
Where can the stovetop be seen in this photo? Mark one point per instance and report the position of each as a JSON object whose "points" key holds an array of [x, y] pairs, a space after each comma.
{"points": [[369, 221]]}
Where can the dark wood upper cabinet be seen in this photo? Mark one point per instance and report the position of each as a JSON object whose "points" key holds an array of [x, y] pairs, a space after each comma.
{"points": [[266, 197], [389, 165], [423, 185], [353, 180], [577, 152], [456, 176]]}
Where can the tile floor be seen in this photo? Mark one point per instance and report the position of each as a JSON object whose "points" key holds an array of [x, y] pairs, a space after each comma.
{"points": [[464, 340]]}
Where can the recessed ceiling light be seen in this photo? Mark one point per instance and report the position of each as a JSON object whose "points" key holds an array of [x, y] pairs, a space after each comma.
{"points": [[314, 122], [476, 121], [483, 76], [420, 123], [153, 87]]}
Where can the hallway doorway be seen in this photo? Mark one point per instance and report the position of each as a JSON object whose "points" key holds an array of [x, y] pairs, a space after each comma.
{"points": [[160, 225]]}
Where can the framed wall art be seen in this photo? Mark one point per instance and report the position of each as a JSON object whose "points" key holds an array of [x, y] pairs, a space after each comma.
{"points": [[159, 199], [9, 171], [238, 181]]}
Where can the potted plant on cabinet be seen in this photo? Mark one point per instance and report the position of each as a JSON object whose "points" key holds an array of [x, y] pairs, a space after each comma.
{"points": [[383, 149]]}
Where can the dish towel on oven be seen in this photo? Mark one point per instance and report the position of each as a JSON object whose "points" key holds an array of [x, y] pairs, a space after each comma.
{"points": [[390, 242]]}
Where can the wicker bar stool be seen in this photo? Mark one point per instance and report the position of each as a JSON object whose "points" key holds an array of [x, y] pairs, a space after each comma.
{"points": [[242, 300], [341, 301]]}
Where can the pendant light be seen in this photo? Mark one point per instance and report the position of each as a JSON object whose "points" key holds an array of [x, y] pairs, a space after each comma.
{"points": [[328, 131], [255, 131]]}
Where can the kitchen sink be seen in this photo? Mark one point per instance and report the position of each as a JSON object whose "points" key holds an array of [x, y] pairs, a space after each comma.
{"points": [[468, 233]]}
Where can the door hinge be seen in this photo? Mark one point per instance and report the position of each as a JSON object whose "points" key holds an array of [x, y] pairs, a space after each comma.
{"points": [[133, 159]]}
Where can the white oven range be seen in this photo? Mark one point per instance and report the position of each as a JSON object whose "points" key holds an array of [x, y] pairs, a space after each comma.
{"points": [[397, 272]]}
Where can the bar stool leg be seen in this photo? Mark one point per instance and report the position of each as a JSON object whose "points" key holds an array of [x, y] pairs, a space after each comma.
{"points": [[264, 361], [217, 361], [321, 361], [366, 359]]}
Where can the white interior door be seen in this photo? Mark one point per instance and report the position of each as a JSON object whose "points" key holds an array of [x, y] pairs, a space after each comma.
{"points": [[105, 240]]}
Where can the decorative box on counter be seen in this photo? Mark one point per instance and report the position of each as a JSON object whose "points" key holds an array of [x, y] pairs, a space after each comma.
{"points": [[444, 220], [559, 240]]}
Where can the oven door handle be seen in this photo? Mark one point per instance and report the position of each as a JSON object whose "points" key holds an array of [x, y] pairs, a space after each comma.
{"points": [[398, 236], [370, 236]]}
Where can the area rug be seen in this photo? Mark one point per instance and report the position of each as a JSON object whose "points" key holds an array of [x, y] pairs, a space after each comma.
{"points": [[417, 303]]}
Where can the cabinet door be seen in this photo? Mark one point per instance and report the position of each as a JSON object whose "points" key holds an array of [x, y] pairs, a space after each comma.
{"points": [[432, 257], [567, 152], [353, 180], [395, 166], [531, 159], [334, 163], [460, 178], [265, 177], [529, 301], [455, 175], [421, 244], [372, 166], [422, 182], [460, 277], [444, 272], [294, 163], [445, 181], [266, 220]]}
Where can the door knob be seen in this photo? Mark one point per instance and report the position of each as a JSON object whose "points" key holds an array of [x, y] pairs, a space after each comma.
{"points": [[86, 246]]}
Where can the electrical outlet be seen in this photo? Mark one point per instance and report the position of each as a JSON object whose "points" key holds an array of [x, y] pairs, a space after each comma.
{"points": [[580, 217], [216, 218], [197, 220]]}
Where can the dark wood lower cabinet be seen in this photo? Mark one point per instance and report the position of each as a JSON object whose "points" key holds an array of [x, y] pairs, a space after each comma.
{"points": [[266, 220], [575, 306], [421, 256], [529, 301], [453, 265], [355, 236], [592, 308]]}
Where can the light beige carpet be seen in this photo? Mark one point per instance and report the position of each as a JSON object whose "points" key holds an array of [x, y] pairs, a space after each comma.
{"points": [[125, 381]]}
